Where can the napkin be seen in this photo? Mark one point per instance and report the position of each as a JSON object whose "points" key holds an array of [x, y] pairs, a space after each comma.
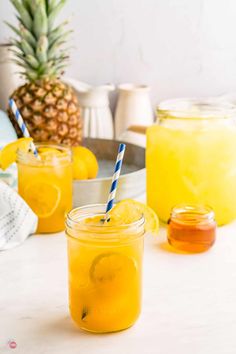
{"points": [[17, 220]]}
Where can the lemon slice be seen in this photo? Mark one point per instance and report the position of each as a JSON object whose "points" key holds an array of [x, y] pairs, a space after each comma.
{"points": [[128, 211], [8, 153], [113, 268], [47, 152], [43, 198]]}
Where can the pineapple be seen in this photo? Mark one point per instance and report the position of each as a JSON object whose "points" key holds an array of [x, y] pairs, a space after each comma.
{"points": [[48, 106]]}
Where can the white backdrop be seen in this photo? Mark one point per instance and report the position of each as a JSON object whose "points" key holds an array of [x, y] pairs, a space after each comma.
{"points": [[179, 47]]}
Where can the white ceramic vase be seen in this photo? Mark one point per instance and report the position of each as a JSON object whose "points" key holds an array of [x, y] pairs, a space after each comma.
{"points": [[9, 79], [95, 109], [133, 108]]}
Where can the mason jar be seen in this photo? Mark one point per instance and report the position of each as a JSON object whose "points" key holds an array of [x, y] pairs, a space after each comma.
{"points": [[46, 184], [191, 157], [105, 270]]}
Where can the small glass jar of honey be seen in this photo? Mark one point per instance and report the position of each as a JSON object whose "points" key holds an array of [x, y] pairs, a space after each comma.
{"points": [[192, 228]]}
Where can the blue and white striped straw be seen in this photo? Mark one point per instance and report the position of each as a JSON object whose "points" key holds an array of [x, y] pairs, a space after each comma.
{"points": [[22, 125], [115, 178]]}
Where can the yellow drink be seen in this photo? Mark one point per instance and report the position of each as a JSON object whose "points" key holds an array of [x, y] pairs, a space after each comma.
{"points": [[105, 267], [192, 159], [46, 185]]}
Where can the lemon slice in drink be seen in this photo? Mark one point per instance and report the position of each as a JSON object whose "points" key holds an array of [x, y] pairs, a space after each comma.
{"points": [[128, 211], [113, 269], [43, 198], [8, 153], [48, 153]]}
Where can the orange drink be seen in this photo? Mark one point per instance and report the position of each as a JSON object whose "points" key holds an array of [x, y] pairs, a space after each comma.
{"points": [[105, 269], [46, 184]]}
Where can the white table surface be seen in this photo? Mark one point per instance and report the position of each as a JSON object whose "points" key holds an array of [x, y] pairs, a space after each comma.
{"points": [[189, 301]]}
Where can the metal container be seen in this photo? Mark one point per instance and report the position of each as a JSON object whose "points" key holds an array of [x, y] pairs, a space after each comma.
{"points": [[132, 182]]}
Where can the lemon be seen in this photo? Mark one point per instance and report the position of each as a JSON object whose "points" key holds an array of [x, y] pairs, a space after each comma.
{"points": [[83, 158], [113, 268], [43, 198], [8, 153], [128, 211], [80, 170]]}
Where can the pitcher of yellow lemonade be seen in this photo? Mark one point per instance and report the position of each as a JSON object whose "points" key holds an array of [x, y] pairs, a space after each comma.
{"points": [[45, 183], [105, 269], [191, 157]]}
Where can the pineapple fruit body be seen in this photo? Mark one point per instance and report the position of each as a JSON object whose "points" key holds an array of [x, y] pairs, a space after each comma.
{"points": [[50, 111]]}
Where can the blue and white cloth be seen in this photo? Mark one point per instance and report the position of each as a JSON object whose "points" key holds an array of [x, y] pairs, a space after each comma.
{"points": [[17, 220]]}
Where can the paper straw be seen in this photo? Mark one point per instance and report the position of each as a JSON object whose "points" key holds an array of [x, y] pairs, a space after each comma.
{"points": [[22, 125], [115, 178]]}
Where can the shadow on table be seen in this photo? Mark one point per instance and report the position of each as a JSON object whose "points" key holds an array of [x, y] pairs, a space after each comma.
{"points": [[66, 327], [60, 326], [165, 246]]}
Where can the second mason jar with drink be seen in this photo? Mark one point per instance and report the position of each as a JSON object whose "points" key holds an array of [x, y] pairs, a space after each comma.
{"points": [[191, 157], [45, 183]]}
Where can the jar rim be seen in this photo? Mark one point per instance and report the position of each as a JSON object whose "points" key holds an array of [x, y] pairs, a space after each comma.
{"points": [[76, 215], [196, 108], [72, 217], [27, 157], [192, 213]]}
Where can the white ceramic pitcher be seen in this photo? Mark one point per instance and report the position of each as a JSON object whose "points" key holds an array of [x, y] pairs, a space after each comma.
{"points": [[133, 108], [95, 109]]}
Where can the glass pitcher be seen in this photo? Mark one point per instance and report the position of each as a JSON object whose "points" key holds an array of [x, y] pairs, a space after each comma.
{"points": [[191, 157]]}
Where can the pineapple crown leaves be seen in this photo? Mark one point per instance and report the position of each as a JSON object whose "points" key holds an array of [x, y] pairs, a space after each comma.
{"points": [[39, 44]]}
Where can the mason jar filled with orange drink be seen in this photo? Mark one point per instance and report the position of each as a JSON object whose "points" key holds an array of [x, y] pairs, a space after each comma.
{"points": [[105, 264], [45, 183]]}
